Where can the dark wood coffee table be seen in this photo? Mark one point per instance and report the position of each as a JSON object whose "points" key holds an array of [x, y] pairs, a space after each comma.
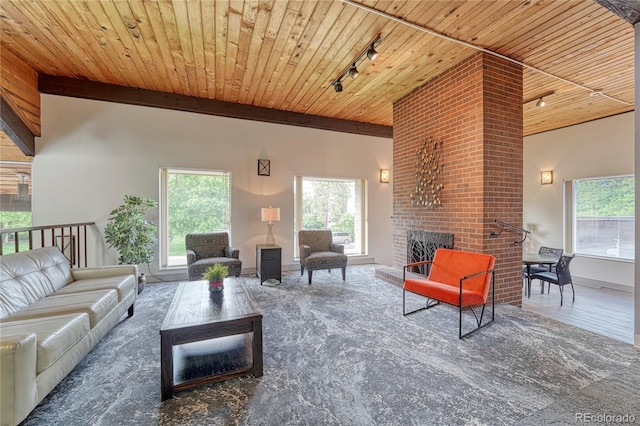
{"points": [[204, 340]]}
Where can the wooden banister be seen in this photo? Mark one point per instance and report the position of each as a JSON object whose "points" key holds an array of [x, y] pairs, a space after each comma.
{"points": [[70, 238]]}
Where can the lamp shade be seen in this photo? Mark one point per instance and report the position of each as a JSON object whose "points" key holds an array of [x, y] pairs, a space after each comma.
{"points": [[270, 214]]}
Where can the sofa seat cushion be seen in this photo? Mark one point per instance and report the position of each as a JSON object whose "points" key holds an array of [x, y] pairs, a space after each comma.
{"points": [[97, 304], [123, 284], [444, 292], [325, 260], [55, 335]]}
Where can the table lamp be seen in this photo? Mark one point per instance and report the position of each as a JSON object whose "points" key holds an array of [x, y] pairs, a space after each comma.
{"points": [[270, 214]]}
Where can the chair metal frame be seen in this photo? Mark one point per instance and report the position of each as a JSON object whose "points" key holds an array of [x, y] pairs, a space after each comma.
{"points": [[431, 302]]}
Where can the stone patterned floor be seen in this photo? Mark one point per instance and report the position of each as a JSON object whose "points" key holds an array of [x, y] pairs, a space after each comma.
{"points": [[341, 353]]}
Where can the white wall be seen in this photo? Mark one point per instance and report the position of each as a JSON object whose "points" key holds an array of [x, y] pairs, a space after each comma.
{"points": [[93, 153], [599, 148]]}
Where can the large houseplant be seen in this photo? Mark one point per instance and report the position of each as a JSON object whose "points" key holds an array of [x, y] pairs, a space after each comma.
{"points": [[129, 232]]}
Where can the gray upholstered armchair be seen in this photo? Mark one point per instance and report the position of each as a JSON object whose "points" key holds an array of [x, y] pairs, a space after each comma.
{"points": [[204, 250], [317, 251]]}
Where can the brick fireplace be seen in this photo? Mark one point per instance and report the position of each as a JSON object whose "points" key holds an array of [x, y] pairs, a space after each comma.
{"points": [[475, 109]]}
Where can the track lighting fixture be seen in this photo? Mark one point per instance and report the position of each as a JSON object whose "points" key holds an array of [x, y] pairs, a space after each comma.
{"points": [[371, 53], [539, 99], [352, 70]]}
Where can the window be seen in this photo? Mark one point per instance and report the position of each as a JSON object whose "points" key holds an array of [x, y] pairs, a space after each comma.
{"points": [[15, 202], [603, 216], [335, 204], [192, 201]]}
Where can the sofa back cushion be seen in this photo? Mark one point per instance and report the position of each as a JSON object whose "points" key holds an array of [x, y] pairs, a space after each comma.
{"points": [[30, 276], [317, 240]]}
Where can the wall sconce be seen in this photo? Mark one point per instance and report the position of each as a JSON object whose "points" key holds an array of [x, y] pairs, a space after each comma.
{"points": [[352, 70], [270, 214], [264, 168], [546, 177], [385, 175]]}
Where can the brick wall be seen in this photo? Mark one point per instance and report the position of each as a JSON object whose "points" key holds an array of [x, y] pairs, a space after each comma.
{"points": [[476, 109]]}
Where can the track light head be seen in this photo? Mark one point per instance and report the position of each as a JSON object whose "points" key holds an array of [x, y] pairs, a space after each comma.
{"points": [[540, 103], [371, 53], [352, 69]]}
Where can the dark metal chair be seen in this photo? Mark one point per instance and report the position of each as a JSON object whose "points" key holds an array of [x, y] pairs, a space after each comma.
{"points": [[544, 251], [560, 277]]}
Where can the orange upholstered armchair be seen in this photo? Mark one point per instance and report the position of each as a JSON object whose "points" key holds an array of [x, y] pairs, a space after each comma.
{"points": [[458, 278]]}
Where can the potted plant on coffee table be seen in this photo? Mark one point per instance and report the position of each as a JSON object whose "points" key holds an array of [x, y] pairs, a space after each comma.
{"points": [[215, 275], [129, 232]]}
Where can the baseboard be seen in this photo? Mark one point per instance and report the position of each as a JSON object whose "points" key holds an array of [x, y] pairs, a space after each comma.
{"points": [[180, 274], [352, 260], [167, 276], [598, 284]]}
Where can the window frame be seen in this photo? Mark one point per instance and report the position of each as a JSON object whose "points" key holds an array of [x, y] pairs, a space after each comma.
{"points": [[163, 243], [363, 218], [571, 219]]}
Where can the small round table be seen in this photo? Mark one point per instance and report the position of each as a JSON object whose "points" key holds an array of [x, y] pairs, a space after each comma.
{"points": [[535, 259]]}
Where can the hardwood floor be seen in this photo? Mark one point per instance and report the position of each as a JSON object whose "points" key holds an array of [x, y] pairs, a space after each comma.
{"points": [[601, 310]]}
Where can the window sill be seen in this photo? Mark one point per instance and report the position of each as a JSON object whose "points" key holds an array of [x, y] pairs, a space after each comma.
{"points": [[610, 259]]}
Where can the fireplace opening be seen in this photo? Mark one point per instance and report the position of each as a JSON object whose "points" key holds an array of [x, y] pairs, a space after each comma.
{"points": [[422, 245]]}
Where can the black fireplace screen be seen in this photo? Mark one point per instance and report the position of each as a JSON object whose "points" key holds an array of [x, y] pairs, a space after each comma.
{"points": [[422, 245]]}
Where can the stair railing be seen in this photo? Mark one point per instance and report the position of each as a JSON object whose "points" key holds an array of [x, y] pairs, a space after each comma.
{"points": [[70, 238]]}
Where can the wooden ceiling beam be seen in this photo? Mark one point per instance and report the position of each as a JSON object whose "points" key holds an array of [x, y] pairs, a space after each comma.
{"points": [[627, 10], [16, 130], [64, 86]]}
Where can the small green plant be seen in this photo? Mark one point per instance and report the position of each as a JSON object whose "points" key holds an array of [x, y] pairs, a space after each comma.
{"points": [[130, 233], [217, 272]]}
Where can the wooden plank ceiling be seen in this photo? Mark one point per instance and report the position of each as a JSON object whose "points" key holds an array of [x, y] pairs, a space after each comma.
{"points": [[284, 54]]}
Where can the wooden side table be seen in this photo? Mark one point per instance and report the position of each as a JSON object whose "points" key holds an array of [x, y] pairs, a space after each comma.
{"points": [[268, 262]]}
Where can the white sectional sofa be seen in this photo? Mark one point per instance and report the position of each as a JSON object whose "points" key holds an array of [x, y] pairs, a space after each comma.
{"points": [[51, 316]]}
